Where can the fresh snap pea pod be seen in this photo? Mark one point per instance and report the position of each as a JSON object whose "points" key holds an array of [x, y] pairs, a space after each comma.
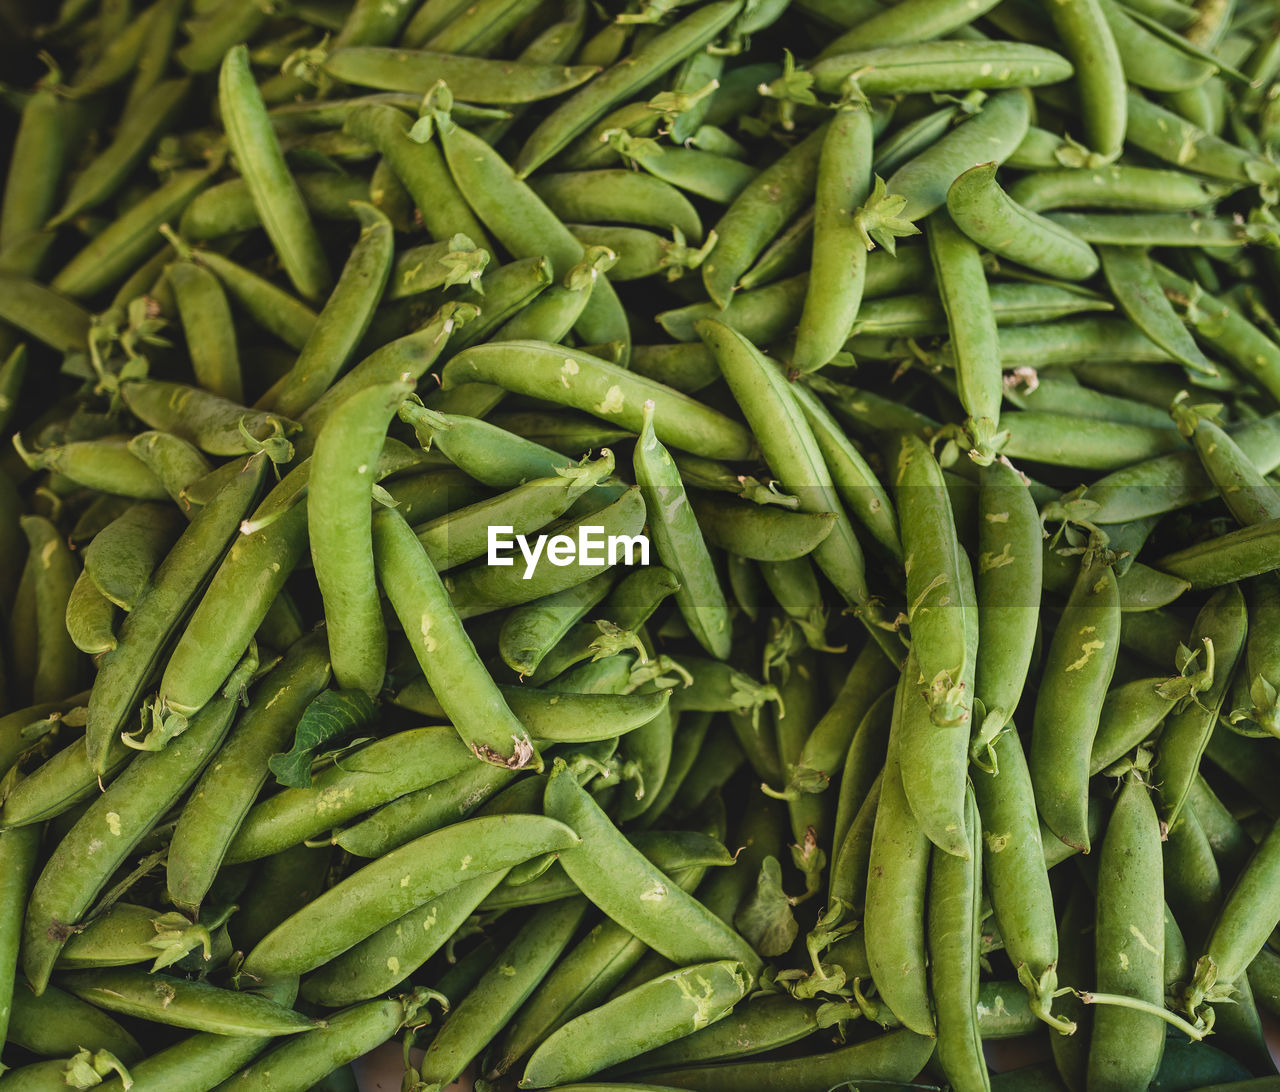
{"points": [[1077, 672], [529, 632], [344, 467], [59, 1023], [104, 836], [991, 218], [696, 171], [124, 672], [54, 572], [47, 315], [472, 79], [1237, 555], [1060, 439], [790, 449], [228, 207], [104, 464], [941, 66], [1192, 881], [991, 136], [214, 424], [1007, 577], [1243, 488], [1223, 620], [382, 961], [892, 1058], [47, 135], [489, 454], [584, 382], [1149, 229], [115, 252], [421, 812], [18, 859], [758, 213], [656, 57], [344, 319], [1169, 136], [1116, 186], [372, 776], [1149, 60], [665, 1008], [117, 938], [302, 1060], [178, 1002], [1125, 1045], [679, 541], [954, 922], [897, 877], [1169, 482], [275, 310], [90, 617], [400, 881], [524, 225], [1260, 667], [918, 22], [261, 163], [618, 195], [463, 534], [421, 169], [617, 877], [838, 267], [1100, 86], [516, 972], [937, 575], [444, 651], [64, 780], [207, 328], [762, 315], [762, 532], [1131, 714], [919, 314], [123, 556]]}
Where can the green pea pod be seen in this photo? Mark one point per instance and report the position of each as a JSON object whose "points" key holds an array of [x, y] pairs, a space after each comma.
{"points": [[117, 938], [273, 309], [939, 66], [1237, 555], [616, 877], [938, 608], [516, 972], [1125, 1046], [472, 79], [90, 617], [64, 780], [400, 881], [762, 315], [1168, 136], [124, 672], [1242, 486], [1223, 620], [208, 822], [1099, 74], [108, 831], [1077, 672], [212, 423], [529, 632], [18, 850], [1114, 186], [104, 464], [1131, 714], [180, 1003], [59, 1023], [125, 554], [54, 572], [790, 449], [618, 195], [897, 877], [991, 218], [954, 922], [382, 961], [208, 329]]}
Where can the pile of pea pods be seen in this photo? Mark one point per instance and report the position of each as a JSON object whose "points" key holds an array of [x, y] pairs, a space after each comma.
{"points": [[897, 398]]}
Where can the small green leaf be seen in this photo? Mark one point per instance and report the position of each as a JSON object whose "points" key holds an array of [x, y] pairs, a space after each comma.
{"points": [[330, 716], [766, 918]]}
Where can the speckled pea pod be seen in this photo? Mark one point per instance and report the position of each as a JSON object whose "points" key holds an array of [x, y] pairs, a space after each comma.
{"points": [[18, 859], [1245, 490], [1250, 551], [944, 65], [1077, 672], [472, 79]]}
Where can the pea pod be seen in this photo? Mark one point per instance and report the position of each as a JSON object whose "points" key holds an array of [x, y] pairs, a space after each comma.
{"points": [[939, 66]]}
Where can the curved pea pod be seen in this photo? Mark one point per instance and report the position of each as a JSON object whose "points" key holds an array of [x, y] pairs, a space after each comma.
{"points": [[125, 554], [471, 79], [1223, 621], [64, 780], [124, 672], [617, 878], [302, 1060], [668, 1007], [107, 832], [105, 464], [531, 631], [272, 308], [1077, 672], [1125, 1046], [382, 961], [938, 608], [758, 214], [58, 1023], [1171, 137], [1243, 488], [524, 225], [444, 651], [659, 55], [1258, 679], [490, 454], [369, 777], [619, 196], [18, 859], [400, 881], [1131, 714], [1250, 551], [207, 328], [1100, 85], [991, 218], [895, 1057], [1008, 578], [897, 877], [761, 532], [494, 999], [210, 422], [991, 136], [954, 922], [47, 135], [181, 1003], [790, 449], [117, 938]]}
